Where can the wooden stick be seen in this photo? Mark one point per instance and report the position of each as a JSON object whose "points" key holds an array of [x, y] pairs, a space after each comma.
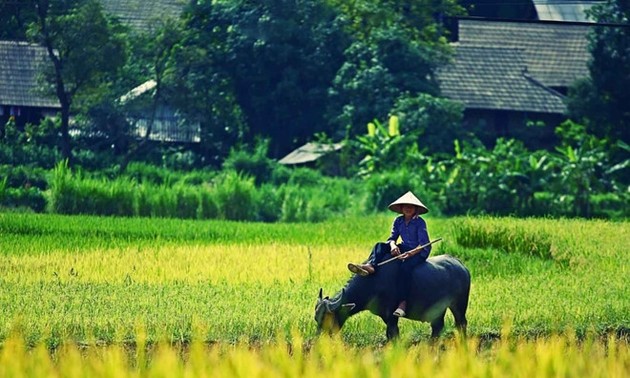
{"points": [[409, 253]]}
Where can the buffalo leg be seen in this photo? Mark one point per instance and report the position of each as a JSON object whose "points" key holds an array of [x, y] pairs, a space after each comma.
{"points": [[392, 328], [460, 320], [437, 325], [459, 313]]}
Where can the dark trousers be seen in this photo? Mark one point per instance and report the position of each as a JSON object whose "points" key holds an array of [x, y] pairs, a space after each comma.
{"points": [[382, 251]]}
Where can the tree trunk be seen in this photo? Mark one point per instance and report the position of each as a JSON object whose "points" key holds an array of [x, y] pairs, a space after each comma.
{"points": [[64, 98], [66, 146]]}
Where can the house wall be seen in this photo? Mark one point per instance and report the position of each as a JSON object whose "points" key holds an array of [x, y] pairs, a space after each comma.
{"points": [[166, 126], [488, 125], [23, 115]]}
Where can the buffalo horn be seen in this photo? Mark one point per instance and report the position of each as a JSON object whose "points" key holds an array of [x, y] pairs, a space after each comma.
{"points": [[333, 306]]}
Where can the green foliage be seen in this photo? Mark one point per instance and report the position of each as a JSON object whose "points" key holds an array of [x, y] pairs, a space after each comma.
{"points": [[579, 167], [383, 188], [72, 195], [264, 66], [382, 149], [362, 90], [312, 204], [32, 145], [146, 173], [172, 202], [496, 233], [14, 18], [269, 199], [577, 180], [497, 181], [255, 164], [306, 197], [305, 177], [60, 184], [600, 101], [394, 54], [417, 20], [3, 189], [610, 205], [435, 121], [77, 74], [235, 196], [505, 180], [29, 198], [24, 176], [294, 205]]}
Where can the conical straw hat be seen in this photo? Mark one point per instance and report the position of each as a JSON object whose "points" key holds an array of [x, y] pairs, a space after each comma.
{"points": [[408, 199]]}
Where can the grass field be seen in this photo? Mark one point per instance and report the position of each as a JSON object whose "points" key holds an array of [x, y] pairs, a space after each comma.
{"points": [[240, 290]]}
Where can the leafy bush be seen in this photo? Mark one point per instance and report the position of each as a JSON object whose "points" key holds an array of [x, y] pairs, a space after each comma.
{"points": [[610, 205], [24, 198], [384, 188], [188, 202], [151, 174], [32, 145], [3, 189], [317, 209], [177, 159], [294, 205], [60, 201], [39, 156], [436, 121], [269, 202], [160, 201], [305, 177], [24, 176], [71, 194], [383, 149], [208, 208], [92, 160], [579, 167], [197, 177], [255, 164], [235, 196]]}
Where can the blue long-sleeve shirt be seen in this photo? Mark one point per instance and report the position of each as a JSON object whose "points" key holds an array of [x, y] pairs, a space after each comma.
{"points": [[412, 234]]}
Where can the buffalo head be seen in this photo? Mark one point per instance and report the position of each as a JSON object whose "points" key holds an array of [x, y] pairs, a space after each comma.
{"points": [[327, 312]]}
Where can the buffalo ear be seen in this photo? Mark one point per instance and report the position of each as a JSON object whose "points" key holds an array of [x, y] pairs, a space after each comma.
{"points": [[320, 293], [349, 306]]}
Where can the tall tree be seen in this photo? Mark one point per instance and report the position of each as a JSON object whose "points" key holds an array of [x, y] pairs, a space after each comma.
{"points": [[15, 15], [601, 101], [203, 88], [420, 20], [397, 47], [152, 60], [84, 48], [274, 59]]}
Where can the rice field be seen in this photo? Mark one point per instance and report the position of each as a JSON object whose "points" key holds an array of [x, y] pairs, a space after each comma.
{"points": [[144, 297]]}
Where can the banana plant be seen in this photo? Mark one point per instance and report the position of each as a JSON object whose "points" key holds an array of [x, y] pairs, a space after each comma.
{"points": [[382, 148], [579, 166]]}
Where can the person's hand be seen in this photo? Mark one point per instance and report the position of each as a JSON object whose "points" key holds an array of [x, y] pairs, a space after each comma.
{"points": [[395, 250]]}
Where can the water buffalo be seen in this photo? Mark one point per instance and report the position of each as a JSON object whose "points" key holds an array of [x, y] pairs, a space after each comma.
{"points": [[441, 282]]}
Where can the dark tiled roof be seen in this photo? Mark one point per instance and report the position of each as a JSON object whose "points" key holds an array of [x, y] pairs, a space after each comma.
{"points": [[555, 53], [140, 14], [496, 78], [20, 65]]}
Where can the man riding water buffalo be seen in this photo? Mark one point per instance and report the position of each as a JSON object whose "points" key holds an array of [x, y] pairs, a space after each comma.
{"points": [[392, 284], [412, 229]]}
